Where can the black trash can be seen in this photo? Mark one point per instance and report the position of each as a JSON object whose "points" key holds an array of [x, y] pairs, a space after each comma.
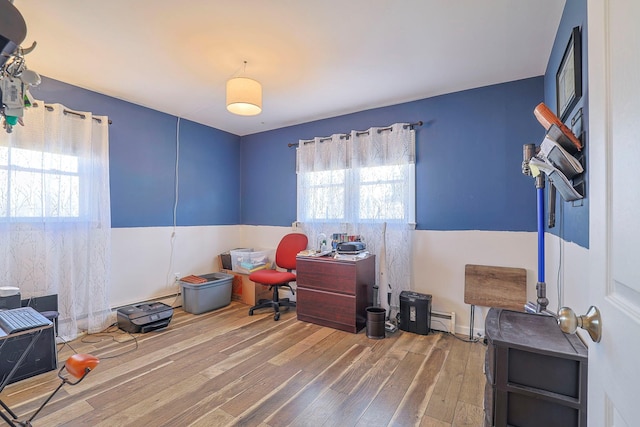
{"points": [[375, 322]]}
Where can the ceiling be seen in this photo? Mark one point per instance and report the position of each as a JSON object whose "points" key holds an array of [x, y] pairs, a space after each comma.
{"points": [[315, 59]]}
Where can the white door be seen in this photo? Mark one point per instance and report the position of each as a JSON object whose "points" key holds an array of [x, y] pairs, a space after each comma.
{"points": [[614, 200]]}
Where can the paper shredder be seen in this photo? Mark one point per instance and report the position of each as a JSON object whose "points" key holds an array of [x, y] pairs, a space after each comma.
{"points": [[415, 312]]}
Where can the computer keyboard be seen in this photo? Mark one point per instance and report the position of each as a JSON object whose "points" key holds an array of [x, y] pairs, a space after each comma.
{"points": [[21, 319]]}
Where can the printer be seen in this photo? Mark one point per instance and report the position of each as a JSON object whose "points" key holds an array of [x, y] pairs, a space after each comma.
{"points": [[144, 317], [350, 248]]}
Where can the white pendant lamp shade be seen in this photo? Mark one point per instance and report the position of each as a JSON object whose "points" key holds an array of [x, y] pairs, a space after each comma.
{"points": [[244, 96]]}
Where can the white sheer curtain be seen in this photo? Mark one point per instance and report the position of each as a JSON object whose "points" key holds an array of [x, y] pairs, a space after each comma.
{"points": [[363, 183], [55, 220]]}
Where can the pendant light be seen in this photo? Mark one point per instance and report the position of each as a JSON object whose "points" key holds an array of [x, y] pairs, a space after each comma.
{"points": [[244, 95]]}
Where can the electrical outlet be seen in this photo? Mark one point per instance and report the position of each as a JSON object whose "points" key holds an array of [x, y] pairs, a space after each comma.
{"points": [[176, 276]]}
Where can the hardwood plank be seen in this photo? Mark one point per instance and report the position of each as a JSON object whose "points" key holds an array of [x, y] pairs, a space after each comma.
{"points": [[66, 416], [467, 415], [275, 401], [320, 410], [427, 421], [304, 345], [227, 368], [354, 405], [359, 369], [384, 405], [298, 404], [445, 394], [217, 417], [474, 378], [245, 372], [415, 401]]}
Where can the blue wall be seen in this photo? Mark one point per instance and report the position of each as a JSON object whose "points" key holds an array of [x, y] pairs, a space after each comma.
{"points": [[572, 223], [469, 156], [142, 157], [468, 170]]}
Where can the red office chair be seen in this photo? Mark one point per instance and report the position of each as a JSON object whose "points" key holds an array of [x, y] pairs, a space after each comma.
{"points": [[78, 366], [286, 253]]}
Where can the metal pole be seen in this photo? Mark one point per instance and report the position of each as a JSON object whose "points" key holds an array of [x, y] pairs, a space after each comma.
{"points": [[541, 286]]}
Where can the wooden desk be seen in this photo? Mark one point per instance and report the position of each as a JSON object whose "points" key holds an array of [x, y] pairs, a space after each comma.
{"points": [[335, 293]]}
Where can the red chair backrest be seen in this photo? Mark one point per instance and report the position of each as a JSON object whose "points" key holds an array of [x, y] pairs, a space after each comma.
{"points": [[288, 248]]}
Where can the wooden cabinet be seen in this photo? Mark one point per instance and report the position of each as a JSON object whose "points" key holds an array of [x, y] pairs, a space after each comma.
{"points": [[536, 374], [335, 293]]}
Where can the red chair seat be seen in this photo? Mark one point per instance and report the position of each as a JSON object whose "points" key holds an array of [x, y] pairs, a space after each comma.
{"points": [[271, 277]]}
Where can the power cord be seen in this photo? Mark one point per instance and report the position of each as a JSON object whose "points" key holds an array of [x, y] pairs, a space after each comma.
{"points": [[170, 271], [472, 340], [109, 333], [468, 340]]}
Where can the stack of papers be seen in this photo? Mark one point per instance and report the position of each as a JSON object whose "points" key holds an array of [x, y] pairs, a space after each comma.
{"points": [[351, 257], [313, 253]]}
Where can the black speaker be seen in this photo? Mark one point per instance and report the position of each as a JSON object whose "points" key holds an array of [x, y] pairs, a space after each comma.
{"points": [[415, 312], [41, 358], [7, 303]]}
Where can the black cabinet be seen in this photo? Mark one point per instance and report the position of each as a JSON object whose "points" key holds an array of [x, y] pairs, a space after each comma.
{"points": [[536, 374]]}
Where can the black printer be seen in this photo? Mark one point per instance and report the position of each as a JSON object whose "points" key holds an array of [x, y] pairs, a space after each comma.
{"points": [[144, 317], [350, 247]]}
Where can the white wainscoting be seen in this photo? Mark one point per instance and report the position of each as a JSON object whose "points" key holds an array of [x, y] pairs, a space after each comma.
{"points": [[145, 259], [143, 266]]}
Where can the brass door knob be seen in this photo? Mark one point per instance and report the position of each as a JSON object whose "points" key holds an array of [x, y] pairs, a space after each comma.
{"points": [[590, 322]]}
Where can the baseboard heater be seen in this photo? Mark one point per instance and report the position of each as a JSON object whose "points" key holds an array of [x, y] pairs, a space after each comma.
{"points": [[445, 322]]}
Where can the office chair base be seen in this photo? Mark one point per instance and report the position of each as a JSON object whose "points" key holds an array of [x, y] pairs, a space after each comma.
{"points": [[274, 305]]}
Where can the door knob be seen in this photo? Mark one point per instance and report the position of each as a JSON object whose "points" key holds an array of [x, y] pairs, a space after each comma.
{"points": [[590, 322]]}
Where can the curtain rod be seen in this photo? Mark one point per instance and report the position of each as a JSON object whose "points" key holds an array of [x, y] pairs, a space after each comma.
{"points": [[309, 141], [65, 111]]}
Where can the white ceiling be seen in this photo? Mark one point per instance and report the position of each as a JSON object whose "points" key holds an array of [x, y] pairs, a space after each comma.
{"points": [[314, 58]]}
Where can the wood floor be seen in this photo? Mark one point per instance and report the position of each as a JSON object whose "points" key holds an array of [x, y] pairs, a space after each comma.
{"points": [[227, 368]]}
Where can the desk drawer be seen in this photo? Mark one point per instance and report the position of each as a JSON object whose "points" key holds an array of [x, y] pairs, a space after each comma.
{"points": [[328, 276], [326, 308]]}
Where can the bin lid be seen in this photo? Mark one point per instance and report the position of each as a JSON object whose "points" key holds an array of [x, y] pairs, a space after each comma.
{"points": [[212, 279], [412, 296]]}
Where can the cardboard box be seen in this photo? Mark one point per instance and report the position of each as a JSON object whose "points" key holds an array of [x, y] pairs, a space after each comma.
{"points": [[247, 291]]}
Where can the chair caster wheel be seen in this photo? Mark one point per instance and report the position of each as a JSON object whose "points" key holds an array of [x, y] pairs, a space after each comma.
{"points": [[250, 312], [276, 316]]}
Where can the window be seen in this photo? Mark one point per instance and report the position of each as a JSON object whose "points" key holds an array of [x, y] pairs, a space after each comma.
{"points": [[55, 223], [368, 177], [325, 195], [380, 192], [36, 184], [377, 194]]}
